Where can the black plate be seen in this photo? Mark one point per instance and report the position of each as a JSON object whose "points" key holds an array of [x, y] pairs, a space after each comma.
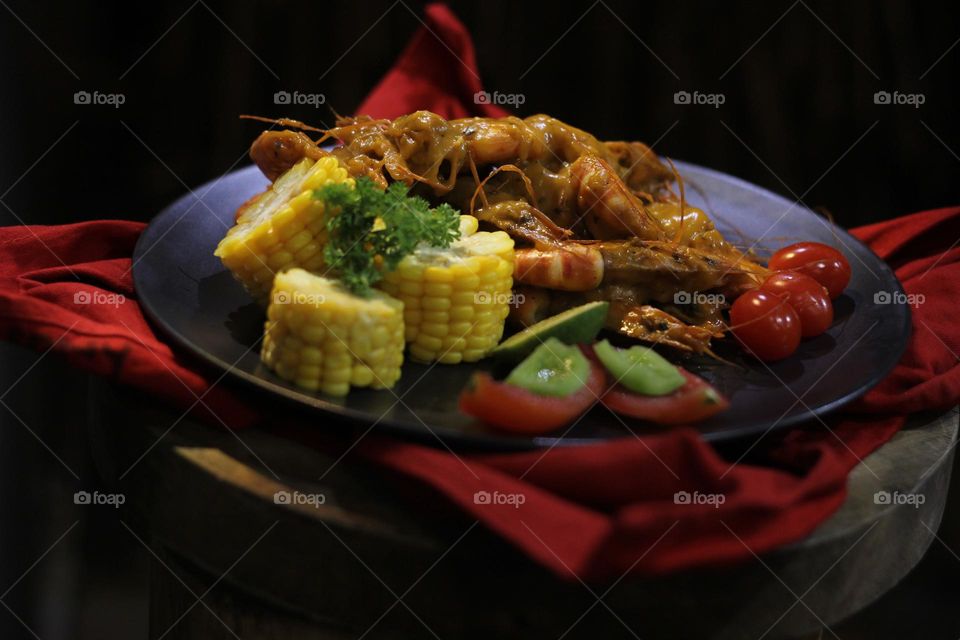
{"points": [[187, 292]]}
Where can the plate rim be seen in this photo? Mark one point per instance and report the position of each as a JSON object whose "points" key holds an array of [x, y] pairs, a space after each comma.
{"points": [[493, 441]]}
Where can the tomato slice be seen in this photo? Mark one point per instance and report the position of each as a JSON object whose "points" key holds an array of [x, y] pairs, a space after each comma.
{"points": [[694, 401], [515, 410]]}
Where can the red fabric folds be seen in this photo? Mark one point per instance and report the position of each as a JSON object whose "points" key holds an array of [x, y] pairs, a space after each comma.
{"points": [[437, 72]]}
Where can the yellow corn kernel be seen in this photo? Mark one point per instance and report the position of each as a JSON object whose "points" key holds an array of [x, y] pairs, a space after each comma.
{"points": [[430, 303], [468, 226], [439, 317], [323, 338]]}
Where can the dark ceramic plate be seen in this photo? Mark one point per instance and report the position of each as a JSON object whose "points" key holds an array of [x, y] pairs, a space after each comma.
{"points": [[189, 295]]}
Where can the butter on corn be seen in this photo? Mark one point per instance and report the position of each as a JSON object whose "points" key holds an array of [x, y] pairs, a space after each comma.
{"points": [[324, 338], [455, 299], [284, 227]]}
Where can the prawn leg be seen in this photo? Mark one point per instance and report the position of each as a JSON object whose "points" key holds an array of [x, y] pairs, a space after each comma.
{"points": [[650, 324]]}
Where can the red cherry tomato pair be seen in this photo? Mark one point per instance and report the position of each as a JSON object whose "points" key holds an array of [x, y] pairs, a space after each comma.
{"points": [[821, 262], [809, 298], [792, 303]]}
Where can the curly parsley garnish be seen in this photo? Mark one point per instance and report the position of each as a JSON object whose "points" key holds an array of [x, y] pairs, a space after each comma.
{"points": [[371, 230]]}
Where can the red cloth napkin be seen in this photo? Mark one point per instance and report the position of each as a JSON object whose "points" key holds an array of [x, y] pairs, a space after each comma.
{"points": [[593, 512], [437, 72]]}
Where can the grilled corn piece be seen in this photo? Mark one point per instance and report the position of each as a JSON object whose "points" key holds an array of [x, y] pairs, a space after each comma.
{"points": [[283, 228], [455, 299], [324, 338]]}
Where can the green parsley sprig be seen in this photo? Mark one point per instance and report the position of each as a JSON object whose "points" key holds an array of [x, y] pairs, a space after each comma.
{"points": [[371, 230]]}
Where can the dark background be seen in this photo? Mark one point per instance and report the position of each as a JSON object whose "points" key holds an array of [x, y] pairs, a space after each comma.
{"points": [[798, 80], [799, 118]]}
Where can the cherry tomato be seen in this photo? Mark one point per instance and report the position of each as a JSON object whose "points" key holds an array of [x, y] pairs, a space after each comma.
{"points": [[694, 401], [766, 325], [514, 409], [808, 298], [821, 262]]}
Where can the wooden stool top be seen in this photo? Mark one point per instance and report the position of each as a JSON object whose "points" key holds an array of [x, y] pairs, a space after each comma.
{"points": [[369, 559]]}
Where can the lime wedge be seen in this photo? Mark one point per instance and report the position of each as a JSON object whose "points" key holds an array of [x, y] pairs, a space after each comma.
{"points": [[573, 326]]}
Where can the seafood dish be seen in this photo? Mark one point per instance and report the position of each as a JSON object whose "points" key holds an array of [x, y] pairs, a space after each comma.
{"points": [[434, 239]]}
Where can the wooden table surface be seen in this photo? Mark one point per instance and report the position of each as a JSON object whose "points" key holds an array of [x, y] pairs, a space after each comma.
{"points": [[375, 562]]}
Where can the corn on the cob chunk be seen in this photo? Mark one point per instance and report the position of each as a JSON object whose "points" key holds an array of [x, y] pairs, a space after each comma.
{"points": [[283, 228], [324, 338], [455, 299]]}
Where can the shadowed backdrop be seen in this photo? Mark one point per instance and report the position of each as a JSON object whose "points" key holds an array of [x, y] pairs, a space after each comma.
{"points": [[795, 82]]}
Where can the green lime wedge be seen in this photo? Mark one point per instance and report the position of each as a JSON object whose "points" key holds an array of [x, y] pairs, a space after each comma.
{"points": [[573, 326]]}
